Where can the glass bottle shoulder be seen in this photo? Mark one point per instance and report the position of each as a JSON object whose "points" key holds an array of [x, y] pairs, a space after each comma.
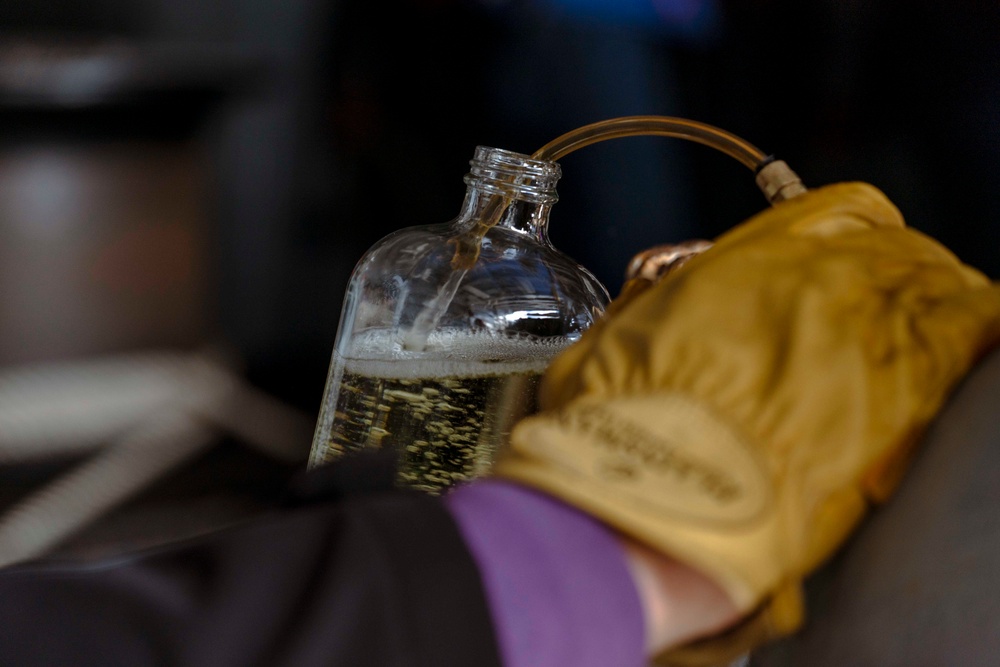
{"points": [[519, 286]]}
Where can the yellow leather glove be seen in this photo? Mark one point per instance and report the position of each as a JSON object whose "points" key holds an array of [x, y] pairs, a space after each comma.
{"points": [[741, 414]]}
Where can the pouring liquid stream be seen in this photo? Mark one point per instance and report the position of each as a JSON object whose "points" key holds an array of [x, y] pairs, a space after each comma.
{"points": [[467, 246], [427, 319]]}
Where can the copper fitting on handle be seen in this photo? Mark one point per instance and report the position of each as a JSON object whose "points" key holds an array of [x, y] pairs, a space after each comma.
{"points": [[654, 263]]}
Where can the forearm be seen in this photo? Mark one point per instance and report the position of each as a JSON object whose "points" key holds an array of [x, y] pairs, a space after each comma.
{"points": [[564, 589], [679, 604]]}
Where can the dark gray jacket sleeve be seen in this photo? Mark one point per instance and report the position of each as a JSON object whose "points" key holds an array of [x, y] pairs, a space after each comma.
{"points": [[352, 577]]}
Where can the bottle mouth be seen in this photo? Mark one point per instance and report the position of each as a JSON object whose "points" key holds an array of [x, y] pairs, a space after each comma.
{"points": [[516, 175]]}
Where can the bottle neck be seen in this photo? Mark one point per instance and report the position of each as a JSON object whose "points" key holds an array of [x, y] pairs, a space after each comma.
{"points": [[517, 215], [511, 191]]}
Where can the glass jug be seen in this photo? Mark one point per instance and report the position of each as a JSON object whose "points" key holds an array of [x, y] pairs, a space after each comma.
{"points": [[446, 329]]}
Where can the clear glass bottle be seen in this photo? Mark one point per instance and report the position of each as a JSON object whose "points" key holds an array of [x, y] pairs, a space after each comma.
{"points": [[446, 329]]}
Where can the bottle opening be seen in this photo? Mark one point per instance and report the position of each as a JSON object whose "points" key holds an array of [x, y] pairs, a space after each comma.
{"points": [[504, 172]]}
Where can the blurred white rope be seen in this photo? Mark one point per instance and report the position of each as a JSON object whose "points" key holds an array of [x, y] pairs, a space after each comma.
{"points": [[48, 409], [144, 414]]}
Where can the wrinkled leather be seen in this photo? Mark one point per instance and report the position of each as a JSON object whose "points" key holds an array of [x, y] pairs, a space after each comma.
{"points": [[743, 413]]}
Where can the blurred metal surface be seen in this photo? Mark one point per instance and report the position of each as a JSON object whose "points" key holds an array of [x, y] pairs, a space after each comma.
{"points": [[37, 73], [920, 583], [104, 248], [107, 193]]}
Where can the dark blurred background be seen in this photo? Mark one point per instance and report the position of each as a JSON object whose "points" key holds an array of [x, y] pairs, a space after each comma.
{"points": [[177, 173]]}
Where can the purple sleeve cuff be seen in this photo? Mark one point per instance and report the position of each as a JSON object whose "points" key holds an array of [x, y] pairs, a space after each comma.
{"points": [[556, 580]]}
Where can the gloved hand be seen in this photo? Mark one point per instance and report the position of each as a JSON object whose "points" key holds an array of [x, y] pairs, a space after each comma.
{"points": [[742, 414]]}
